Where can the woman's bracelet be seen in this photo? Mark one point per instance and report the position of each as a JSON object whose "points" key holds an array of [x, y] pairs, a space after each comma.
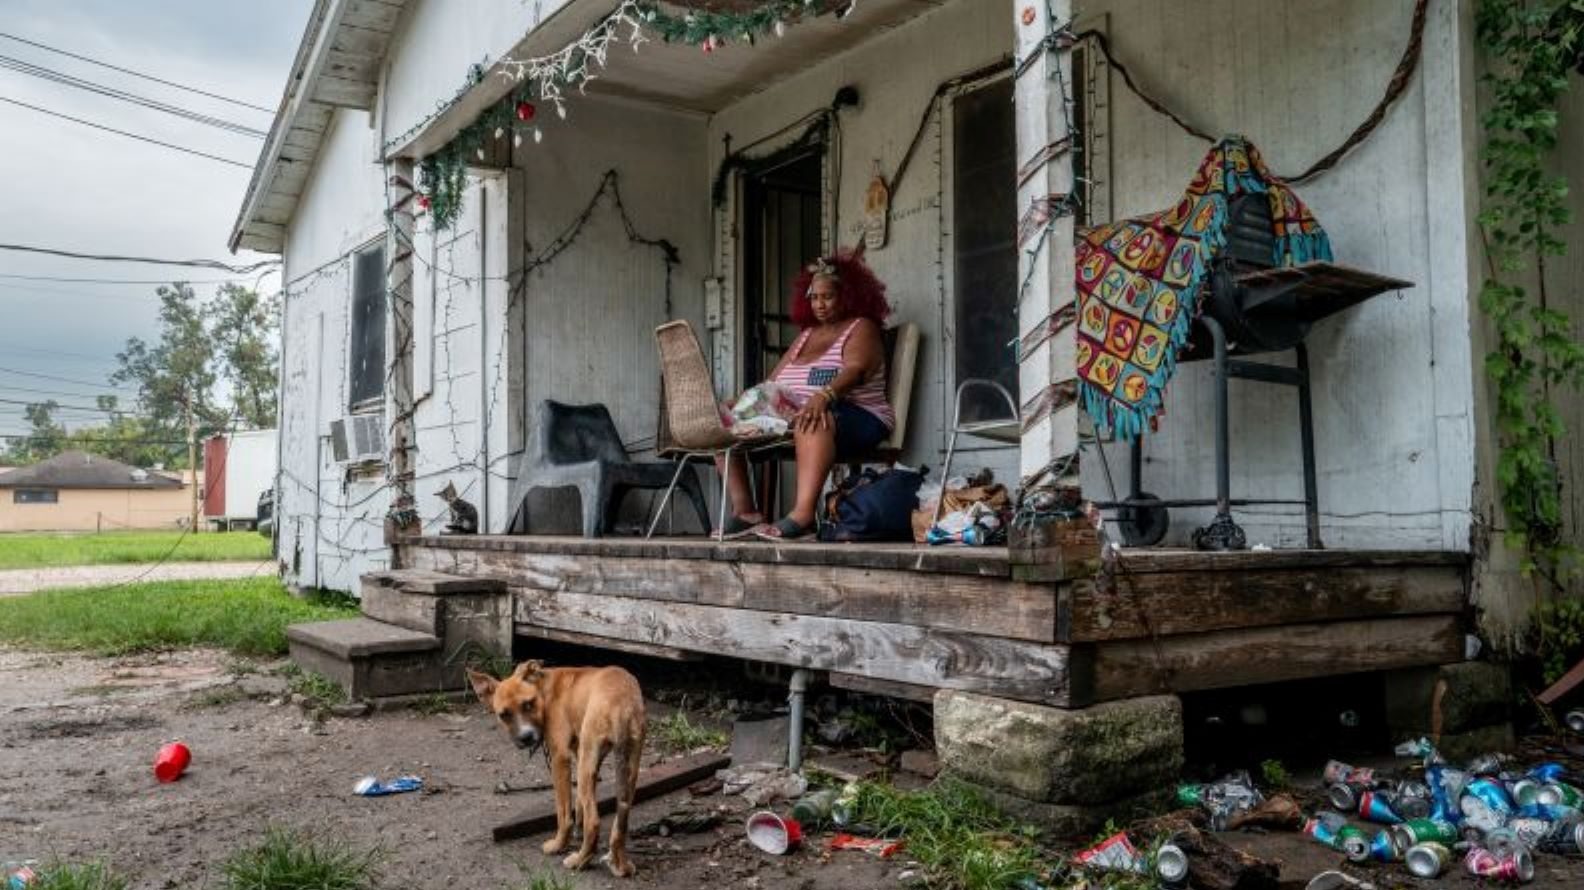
{"points": [[831, 397]]}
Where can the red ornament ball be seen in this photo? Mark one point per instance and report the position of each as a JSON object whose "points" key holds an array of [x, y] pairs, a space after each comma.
{"points": [[423, 202], [1028, 15], [526, 111]]}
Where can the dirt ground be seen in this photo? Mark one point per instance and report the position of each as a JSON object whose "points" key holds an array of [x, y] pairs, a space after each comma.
{"points": [[78, 736]]}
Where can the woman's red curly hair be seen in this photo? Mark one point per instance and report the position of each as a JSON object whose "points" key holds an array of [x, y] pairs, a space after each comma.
{"points": [[862, 294]]}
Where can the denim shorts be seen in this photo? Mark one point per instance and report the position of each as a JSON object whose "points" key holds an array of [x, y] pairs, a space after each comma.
{"points": [[857, 431]]}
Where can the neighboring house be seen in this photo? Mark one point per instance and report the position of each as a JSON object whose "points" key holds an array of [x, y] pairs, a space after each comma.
{"points": [[238, 467], [407, 347], [77, 491]]}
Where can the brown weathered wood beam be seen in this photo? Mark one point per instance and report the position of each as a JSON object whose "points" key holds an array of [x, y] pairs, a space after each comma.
{"points": [[652, 782]]}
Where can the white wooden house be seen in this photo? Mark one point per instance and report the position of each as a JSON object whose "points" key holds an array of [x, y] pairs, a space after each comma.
{"points": [[524, 298]]}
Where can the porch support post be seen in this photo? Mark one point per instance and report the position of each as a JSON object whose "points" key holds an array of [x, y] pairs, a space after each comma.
{"points": [[1046, 353], [400, 438]]}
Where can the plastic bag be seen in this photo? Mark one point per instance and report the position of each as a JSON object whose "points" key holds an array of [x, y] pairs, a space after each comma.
{"points": [[763, 409]]}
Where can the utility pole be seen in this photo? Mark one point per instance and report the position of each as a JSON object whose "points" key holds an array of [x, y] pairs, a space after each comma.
{"points": [[192, 462]]}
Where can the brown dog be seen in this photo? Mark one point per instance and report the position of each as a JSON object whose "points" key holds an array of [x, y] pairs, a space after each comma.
{"points": [[575, 712]]}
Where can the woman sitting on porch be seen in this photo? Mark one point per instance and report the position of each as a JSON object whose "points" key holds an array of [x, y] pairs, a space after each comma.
{"points": [[836, 373]]}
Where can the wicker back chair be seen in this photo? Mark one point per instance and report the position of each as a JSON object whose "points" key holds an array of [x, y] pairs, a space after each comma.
{"points": [[690, 421]]}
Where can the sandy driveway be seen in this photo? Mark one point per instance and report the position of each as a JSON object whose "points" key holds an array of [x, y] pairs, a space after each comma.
{"points": [[17, 581]]}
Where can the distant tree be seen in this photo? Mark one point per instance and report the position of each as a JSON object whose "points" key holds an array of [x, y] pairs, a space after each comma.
{"points": [[175, 375], [244, 327], [45, 439], [128, 438]]}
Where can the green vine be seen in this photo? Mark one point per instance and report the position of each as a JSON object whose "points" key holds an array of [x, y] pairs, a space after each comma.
{"points": [[1533, 46]]}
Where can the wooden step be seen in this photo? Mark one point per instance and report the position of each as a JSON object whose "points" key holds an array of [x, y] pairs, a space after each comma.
{"points": [[352, 638], [429, 582]]}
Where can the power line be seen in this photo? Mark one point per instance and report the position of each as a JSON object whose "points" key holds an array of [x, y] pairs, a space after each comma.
{"points": [[59, 77], [61, 379], [49, 392], [172, 146], [69, 439], [59, 280], [59, 407], [196, 264], [149, 77]]}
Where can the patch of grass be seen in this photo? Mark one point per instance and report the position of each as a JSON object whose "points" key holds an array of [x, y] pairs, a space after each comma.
{"points": [[246, 616], [959, 838], [26, 551], [218, 697], [320, 691], [432, 704], [287, 860], [485, 660], [78, 876], [1275, 774], [677, 734]]}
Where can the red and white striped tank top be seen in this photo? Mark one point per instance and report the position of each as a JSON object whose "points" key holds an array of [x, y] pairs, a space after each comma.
{"points": [[805, 378]]}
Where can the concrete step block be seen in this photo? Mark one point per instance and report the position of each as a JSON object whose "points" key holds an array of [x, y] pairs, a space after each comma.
{"points": [[431, 583], [371, 659], [419, 612], [352, 638]]}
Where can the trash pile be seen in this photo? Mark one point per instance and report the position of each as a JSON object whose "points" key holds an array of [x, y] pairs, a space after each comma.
{"points": [[1489, 814], [974, 511], [827, 808]]}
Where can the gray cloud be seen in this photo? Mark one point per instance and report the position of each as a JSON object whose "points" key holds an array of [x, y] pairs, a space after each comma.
{"points": [[77, 188]]}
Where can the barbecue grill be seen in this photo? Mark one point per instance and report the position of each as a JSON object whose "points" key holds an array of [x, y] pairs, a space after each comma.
{"points": [[1250, 306]]}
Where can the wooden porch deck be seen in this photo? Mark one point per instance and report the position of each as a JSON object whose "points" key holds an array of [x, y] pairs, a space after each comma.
{"points": [[905, 620]]}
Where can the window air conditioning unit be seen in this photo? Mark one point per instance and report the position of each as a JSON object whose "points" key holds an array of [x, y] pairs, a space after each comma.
{"points": [[358, 437]]}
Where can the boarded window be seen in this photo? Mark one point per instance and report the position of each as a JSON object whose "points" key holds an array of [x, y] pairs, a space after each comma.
{"points": [[366, 383], [35, 496], [984, 201]]}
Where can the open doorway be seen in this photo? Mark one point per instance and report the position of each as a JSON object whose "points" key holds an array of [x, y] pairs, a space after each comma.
{"points": [[783, 211]]}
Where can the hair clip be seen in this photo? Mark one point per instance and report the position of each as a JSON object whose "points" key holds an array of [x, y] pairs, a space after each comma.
{"points": [[823, 268]]}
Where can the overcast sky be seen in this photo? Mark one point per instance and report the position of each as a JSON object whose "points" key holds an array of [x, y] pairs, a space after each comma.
{"points": [[72, 187]]}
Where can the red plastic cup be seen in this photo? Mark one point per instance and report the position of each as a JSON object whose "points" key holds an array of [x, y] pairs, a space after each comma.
{"points": [[171, 762], [773, 834]]}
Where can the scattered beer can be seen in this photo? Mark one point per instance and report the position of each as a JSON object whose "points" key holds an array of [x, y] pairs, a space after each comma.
{"points": [[1171, 866], [1384, 848], [1337, 773], [1503, 842], [1376, 806], [1517, 868], [1563, 838], [1548, 772], [1562, 794], [1424, 831], [1355, 844], [1327, 828], [1525, 792], [1491, 793], [1190, 795], [1344, 797], [1574, 721], [1485, 765], [1550, 812], [1413, 800], [1427, 860]]}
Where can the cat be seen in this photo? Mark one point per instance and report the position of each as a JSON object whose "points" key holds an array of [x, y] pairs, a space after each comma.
{"points": [[464, 516]]}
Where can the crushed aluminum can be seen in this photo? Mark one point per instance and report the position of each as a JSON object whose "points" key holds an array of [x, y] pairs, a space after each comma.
{"points": [[1384, 847], [1562, 838], [1377, 806], [1485, 765], [1420, 748], [1575, 721], [1355, 844], [19, 875], [1171, 866], [1336, 880], [368, 786], [1517, 868], [1550, 812], [1526, 792], [1548, 772], [1326, 827], [1424, 831], [1446, 788], [1344, 797], [1562, 794], [1413, 799], [1502, 842], [1427, 860], [1492, 794], [1339, 773]]}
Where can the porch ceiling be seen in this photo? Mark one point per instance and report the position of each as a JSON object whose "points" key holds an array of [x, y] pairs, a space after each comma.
{"points": [[677, 75]]}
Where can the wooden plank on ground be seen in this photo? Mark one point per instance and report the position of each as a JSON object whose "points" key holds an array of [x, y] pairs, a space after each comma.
{"points": [[1124, 605], [1150, 560], [669, 653], [1563, 685], [1272, 654], [890, 688], [921, 656], [970, 604], [653, 782]]}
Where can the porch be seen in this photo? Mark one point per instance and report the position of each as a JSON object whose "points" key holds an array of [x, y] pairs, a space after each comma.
{"points": [[906, 620]]}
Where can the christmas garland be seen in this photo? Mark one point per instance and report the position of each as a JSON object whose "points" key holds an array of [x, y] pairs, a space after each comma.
{"points": [[547, 79]]}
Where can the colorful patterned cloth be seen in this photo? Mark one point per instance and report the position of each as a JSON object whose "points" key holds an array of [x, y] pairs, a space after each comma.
{"points": [[1139, 282]]}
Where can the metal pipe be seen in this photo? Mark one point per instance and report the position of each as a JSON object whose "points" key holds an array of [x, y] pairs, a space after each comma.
{"points": [[1223, 460], [1306, 428], [798, 686]]}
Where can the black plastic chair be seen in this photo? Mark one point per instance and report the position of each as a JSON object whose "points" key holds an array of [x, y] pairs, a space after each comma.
{"points": [[578, 446]]}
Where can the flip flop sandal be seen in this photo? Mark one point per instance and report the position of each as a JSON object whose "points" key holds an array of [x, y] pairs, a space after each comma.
{"points": [[786, 529], [737, 527]]}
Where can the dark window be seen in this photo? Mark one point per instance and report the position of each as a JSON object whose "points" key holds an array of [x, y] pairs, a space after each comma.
{"points": [[984, 201], [35, 496], [367, 359], [782, 212]]}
